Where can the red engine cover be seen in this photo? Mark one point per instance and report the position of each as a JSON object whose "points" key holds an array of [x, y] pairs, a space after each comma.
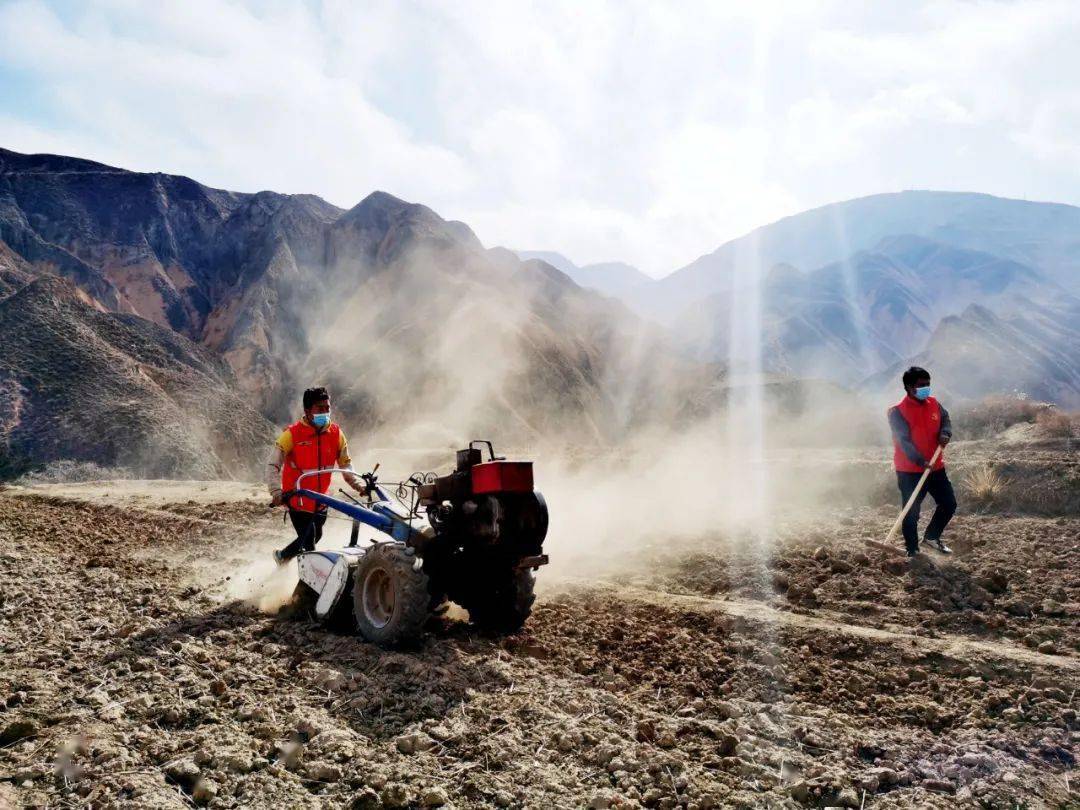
{"points": [[502, 476]]}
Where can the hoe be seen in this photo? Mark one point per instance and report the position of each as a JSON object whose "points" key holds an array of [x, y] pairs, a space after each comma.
{"points": [[474, 537]]}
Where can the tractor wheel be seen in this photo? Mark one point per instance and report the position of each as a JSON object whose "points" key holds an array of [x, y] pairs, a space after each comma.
{"points": [[503, 606], [390, 597]]}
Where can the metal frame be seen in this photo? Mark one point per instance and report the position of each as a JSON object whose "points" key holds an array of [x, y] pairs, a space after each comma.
{"points": [[380, 516]]}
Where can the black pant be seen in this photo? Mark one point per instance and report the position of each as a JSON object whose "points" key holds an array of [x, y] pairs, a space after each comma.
{"points": [[308, 527], [937, 487]]}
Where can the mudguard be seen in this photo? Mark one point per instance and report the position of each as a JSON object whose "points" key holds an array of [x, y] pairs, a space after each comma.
{"points": [[328, 574]]}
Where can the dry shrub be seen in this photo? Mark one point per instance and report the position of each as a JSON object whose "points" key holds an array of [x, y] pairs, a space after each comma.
{"points": [[990, 416], [984, 485], [1056, 424]]}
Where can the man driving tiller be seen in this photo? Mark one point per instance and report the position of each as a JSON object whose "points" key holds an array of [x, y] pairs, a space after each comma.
{"points": [[314, 442]]}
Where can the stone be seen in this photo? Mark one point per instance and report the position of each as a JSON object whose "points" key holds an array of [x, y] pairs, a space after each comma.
{"points": [[18, 730], [433, 797], [395, 794], [1052, 608], [938, 786], [727, 744], [184, 772], [239, 763], [728, 711], [1048, 648], [323, 772], [414, 742], [366, 799], [205, 791]]}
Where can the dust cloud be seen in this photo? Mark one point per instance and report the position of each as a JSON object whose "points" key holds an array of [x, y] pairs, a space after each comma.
{"points": [[636, 445]]}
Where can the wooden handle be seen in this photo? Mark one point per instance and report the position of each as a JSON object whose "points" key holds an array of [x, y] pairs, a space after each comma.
{"points": [[911, 501]]}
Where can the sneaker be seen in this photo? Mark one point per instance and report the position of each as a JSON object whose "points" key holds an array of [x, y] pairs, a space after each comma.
{"points": [[279, 558], [939, 545]]}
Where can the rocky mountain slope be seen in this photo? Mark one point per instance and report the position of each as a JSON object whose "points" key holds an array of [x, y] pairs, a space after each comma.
{"points": [[1031, 349], [411, 319], [79, 383]]}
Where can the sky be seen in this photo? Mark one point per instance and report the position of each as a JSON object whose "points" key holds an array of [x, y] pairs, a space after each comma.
{"points": [[646, 132]]}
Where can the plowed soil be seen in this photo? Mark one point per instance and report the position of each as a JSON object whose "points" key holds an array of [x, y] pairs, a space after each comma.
{"points": [[138, 670]]}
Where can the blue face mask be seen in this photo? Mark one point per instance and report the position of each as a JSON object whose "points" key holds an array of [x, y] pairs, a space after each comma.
{"points": [[923, 392], [320, 420]]}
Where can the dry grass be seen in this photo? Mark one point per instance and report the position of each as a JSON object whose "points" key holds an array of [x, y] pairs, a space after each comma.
{"points": [[984, 485]]}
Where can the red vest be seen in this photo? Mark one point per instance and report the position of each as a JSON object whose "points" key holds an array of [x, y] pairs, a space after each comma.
{"points": [[924, 420], [312, 450]]}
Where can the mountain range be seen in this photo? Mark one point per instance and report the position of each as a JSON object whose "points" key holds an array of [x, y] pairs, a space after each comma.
{"points": [[160, 324], [415, 325], [853, 291], [617, 279]]}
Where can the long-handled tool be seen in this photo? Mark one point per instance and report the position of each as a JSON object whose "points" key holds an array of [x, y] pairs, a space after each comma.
{"points": [[911, 501]]}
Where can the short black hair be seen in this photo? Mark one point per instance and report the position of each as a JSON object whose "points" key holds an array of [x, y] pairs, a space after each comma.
{"points": [[316, 394], [913, 375]]}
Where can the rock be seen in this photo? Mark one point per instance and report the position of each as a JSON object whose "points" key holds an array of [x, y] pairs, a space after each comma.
{"points": [[978, 596], [1052, 608], [885, 776], [17, 730], [600, 801], [1017, 607], [728, 711], [414, 742], [205, 791], [1048, 648], [218, 688], [727, 744], [395, 794], [666, 738], [938, 786], [366, 799], [433, 797], [820, 554], [839, 566], [184, 772], [239, 763], [800, 792], [323, 772], [977, 760]]}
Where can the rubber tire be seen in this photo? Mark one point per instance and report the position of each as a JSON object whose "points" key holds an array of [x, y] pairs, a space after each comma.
{"points": [[506, 607], [412, 602]]}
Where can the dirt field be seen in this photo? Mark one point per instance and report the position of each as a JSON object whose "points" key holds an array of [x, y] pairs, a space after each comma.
{"points": [[139, 670]]}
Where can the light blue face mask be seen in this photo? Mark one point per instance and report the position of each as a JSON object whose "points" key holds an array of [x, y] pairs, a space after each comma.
{"points": [[320, 420], [923, 392]]}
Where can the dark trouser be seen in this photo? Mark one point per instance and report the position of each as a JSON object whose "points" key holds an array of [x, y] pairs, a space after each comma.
{"points": [[308, 527], [937, 487]]}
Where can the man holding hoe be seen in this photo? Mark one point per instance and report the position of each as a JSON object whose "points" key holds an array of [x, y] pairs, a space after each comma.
{"points": [[921, 428]]}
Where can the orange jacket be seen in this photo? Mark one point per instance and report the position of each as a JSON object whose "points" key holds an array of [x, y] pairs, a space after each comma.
{"points": [[306, 449], [917, 428]]}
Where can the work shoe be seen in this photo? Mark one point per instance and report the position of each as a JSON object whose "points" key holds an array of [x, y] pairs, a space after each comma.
{"points": [[938, 545], [279, 558]]}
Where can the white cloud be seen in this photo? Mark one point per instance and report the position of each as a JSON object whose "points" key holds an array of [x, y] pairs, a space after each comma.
{"points": [[642, 131]]}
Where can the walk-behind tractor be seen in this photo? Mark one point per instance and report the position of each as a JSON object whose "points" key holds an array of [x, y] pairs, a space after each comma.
{"points": [[482, 542]]}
